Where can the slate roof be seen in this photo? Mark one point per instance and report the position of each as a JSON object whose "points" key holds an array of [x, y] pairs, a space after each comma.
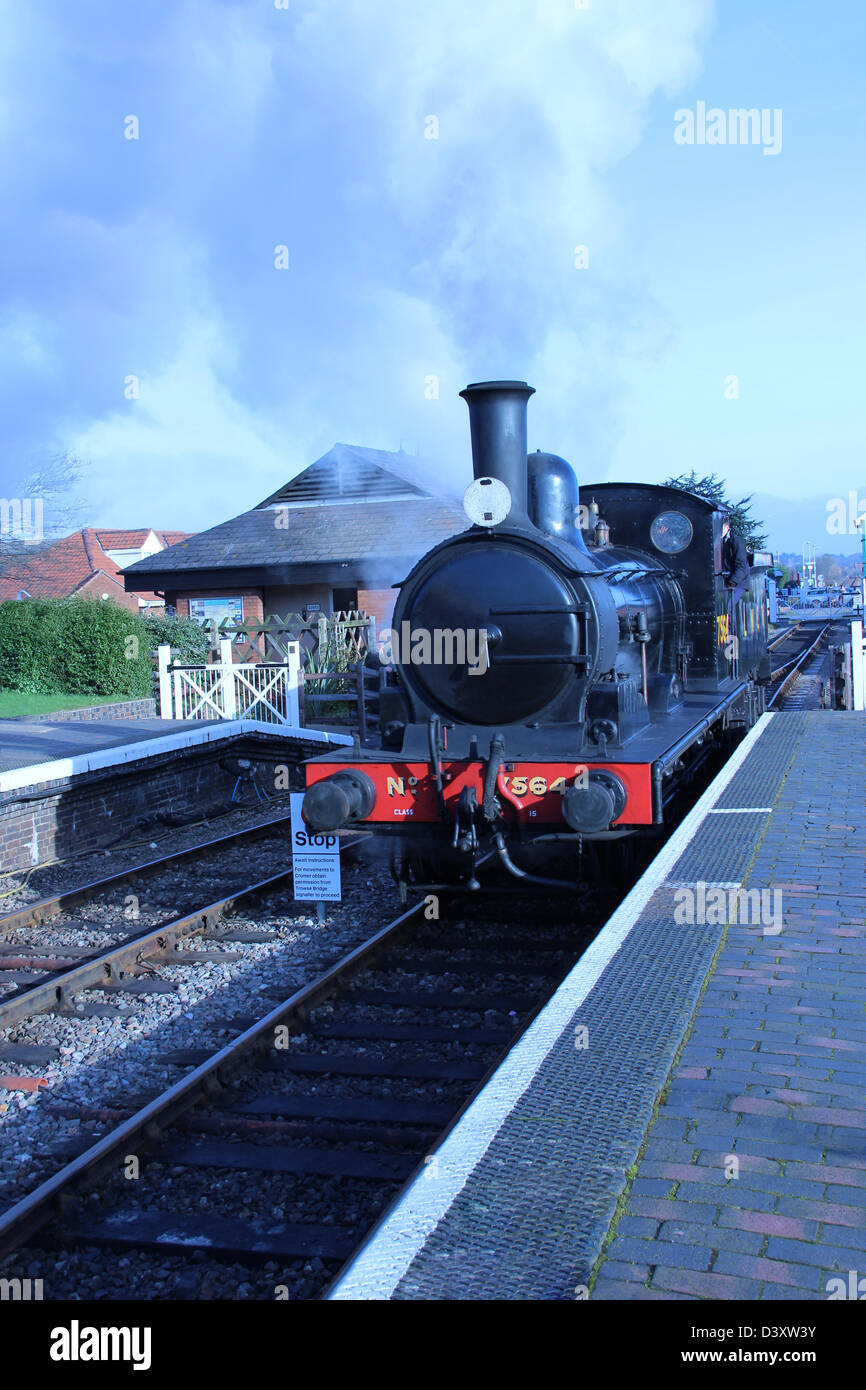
{"points": [[63, 566], [356, 506], [350, 472], [358, 532]]}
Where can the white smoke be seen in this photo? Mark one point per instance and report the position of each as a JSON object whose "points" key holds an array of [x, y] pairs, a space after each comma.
{"points": [[411, 258]]}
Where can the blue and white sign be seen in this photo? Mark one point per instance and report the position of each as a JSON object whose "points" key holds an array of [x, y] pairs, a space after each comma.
{"points": [[315, 860]]}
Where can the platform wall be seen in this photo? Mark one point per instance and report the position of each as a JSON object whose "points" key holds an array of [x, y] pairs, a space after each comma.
{"points": [[95, 810], [124, 709]]}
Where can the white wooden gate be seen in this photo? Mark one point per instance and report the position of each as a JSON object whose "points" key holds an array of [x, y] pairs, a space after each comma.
{"points": [[265, 691]]}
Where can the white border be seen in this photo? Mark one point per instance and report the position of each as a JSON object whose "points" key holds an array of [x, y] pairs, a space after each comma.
{"points": [[381, 1263], [215, 732]]}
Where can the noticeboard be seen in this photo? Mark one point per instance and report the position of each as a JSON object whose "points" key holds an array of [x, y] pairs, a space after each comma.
{"points": [[315, 860]]}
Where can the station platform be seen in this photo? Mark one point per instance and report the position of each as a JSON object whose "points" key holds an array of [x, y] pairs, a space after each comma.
{"points": [[34, 753], [686, 1117], [26, 743], [69, 788]]}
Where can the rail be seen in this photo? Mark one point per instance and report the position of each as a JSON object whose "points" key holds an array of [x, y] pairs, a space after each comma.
{"points": [[109, 967], [792, 666], [145, 1127], [34, 913]]}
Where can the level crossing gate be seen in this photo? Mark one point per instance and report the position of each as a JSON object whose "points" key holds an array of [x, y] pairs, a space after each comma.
{"points": [[264, 691]]}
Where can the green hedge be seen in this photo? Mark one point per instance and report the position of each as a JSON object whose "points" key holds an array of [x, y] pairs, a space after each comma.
{"points": [[80, 646], [189, 640]]}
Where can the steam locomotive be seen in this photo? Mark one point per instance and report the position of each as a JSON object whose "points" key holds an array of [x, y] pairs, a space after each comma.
{"points": [[565, 669]]}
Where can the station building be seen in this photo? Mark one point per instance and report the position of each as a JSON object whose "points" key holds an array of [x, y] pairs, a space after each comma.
{"points": [[334, 538]]}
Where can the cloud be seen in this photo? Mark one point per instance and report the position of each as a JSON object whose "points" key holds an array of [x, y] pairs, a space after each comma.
{"points": [[410, 257], [179, 421]]}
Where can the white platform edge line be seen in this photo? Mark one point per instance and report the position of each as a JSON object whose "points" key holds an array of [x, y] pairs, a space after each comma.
{"points": [[708, 883], [36, 773], [391, 1247]]}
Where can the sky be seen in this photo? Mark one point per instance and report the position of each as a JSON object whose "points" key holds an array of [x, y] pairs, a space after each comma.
{"points": [[238, 231]]}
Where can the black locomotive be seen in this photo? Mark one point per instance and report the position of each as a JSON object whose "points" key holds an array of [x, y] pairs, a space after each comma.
{"points": [[564, 667]]}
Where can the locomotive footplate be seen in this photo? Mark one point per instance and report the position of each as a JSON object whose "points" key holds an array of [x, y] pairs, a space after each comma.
{"points": [[532, 792]]}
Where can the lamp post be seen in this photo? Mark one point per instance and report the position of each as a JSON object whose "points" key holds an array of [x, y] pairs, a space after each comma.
{"points": [[809, 578]]}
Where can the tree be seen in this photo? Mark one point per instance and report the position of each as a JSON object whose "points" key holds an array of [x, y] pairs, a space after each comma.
{"points": [[713, 490], [43, 512], [832, 570]]}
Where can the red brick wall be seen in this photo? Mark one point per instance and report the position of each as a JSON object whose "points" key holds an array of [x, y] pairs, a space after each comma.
{"points": [[100, 584], [116, 709], [95, 810], [379, 602]]}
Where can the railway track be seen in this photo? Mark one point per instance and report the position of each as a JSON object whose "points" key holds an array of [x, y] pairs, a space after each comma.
{"points": [[786, 671], [39, 975], [265, 1160], [784, 636], [280, 1149], [54, 988], [32, 914], [125, 966]]}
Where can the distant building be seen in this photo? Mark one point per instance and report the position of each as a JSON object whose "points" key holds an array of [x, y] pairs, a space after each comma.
{"points": [[335, 537], [89, 562]]}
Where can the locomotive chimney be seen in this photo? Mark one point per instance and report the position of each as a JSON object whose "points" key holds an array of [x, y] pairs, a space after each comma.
{"points": [[497, 422]]}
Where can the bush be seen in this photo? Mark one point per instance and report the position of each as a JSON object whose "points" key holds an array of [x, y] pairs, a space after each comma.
{"points": [[189, 640], [74, 646]]}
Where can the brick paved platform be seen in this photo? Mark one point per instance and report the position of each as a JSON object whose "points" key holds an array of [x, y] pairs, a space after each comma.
{"points": [[709, 1139]]}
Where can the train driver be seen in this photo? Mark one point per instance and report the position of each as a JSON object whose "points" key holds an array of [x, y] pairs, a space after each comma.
{"points": [[735, 565]]}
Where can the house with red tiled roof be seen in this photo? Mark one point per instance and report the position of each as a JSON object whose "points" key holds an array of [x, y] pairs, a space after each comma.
{"points": [[89, 563]]}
